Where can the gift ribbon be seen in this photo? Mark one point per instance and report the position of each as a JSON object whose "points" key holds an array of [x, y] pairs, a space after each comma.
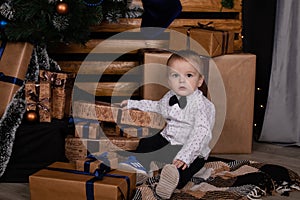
{"points": [[86, 126], [34, 96], [104, 166], [86, 130], [10, 79], [119, 116], [52, 78], [2, 47], [5, 78], [211, 28], [97, 175]]}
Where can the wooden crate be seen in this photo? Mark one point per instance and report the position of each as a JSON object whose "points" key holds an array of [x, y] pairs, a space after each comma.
{"points": [[70, 57], [92, 67], [99, 77], [102, 45], [205, 11], [194, 12], [199, 5], [109, 89]]}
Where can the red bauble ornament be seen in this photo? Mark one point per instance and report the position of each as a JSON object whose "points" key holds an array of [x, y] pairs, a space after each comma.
{"points": [[31, 116], [62, 8]]}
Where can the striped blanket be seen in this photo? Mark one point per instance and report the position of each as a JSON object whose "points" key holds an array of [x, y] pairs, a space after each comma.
{"points": [[230, 179]]}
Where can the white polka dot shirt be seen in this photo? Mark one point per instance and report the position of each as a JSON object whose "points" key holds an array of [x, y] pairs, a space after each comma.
{"points": [[190, 127]]}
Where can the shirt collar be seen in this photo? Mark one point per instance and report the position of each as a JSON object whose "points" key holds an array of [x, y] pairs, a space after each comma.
{"points": [[189, 97]]}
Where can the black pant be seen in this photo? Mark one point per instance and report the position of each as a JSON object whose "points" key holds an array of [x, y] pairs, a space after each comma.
{"points": [[157, 148]]}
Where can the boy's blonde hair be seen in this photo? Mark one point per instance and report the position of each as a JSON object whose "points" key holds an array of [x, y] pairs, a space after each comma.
{"points": [[189, 56]]}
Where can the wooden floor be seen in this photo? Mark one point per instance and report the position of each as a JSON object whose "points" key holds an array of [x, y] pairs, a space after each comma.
{"points": [[262, 152]]}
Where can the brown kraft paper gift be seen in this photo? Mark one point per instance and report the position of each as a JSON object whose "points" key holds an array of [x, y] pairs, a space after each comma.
{"points": [[113, 143], [13, 65], [75, 149], [215, 42], [62, 86], [238, 73], [38, 98], [109, 113], [94, 164], [50, 184], [87, 129], [96, 111]]}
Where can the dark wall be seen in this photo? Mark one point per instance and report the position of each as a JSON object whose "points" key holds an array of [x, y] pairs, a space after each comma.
{"points": [[258, 32]]}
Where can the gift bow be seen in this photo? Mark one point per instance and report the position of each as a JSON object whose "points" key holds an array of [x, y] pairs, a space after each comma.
{"points": [[103, 168], [202, 26], [52, 78], [36, 102]]}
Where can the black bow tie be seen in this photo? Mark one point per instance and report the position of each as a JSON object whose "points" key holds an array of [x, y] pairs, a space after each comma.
{"points": [[181, 102]]}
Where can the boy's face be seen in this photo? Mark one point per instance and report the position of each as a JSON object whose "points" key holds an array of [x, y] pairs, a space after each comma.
{"points": [[183, 77]]}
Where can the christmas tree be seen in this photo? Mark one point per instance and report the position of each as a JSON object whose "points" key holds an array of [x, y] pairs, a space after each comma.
{"points": [[44, 21]]}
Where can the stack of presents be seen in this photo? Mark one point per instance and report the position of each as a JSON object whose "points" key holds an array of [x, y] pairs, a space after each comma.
{"points": [[102, 128]]}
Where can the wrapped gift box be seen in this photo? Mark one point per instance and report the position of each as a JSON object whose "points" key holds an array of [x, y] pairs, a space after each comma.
{"points": [[109, 129], [88, 129], [76, 148], [155, 82], [38, 98], [62, 85], [214, 42], [13, 67], [51, 183], [96, 111], [91, 164], [126, 144], [130, 131], [238, 74], [109, 113], [144, 119]]}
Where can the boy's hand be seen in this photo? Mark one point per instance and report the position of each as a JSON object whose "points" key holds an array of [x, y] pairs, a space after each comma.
{"points": [[180, 164], [124, 103]]}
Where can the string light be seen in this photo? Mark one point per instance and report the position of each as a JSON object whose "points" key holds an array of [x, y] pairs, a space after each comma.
{"points": [[93, 4], [3, 23]]}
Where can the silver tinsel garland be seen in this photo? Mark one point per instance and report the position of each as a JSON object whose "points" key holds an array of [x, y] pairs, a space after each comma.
{"points": [[13, 115], [9, 124]]}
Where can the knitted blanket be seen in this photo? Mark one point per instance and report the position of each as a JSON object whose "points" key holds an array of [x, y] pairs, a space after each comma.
{"points": [[230, 179]]}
